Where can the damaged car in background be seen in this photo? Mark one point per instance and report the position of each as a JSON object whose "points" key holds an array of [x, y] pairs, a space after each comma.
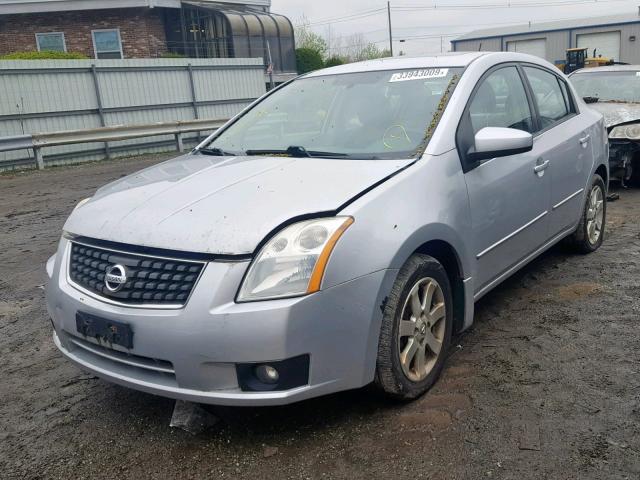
{"points": [[615, 92]]}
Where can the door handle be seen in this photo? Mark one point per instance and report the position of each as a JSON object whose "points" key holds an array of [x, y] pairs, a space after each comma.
{"points": [[584, 140], [541, 166]]}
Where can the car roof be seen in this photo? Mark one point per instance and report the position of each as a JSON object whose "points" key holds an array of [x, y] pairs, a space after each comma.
{"points": [[445, 60], [453, 59], [611, 68]]}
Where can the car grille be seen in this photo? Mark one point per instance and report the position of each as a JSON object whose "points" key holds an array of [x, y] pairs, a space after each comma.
{"points": [[149, 280]]}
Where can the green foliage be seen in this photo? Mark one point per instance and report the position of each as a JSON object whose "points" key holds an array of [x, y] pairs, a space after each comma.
{"points": [[308, 60], [172, 55], [335, 61], [370, 51], [307, 39], [44, 55]]}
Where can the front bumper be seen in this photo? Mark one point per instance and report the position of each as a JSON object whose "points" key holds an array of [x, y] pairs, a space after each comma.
{"points": [[192, 353], [621, 156]]}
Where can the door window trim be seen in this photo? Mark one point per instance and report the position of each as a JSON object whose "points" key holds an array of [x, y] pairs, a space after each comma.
{"points": [[466, 165], [572, 111]]}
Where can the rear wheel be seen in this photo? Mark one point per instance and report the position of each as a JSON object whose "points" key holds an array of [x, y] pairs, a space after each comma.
{"points": [[416, 329], [589, 235]]}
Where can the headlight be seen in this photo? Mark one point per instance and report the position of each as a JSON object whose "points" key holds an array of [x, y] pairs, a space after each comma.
{"points": [[81, 203], [626, 132], [292, 263], [50, 264]]}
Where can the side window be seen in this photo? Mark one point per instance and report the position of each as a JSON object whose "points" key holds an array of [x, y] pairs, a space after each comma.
{"points": [[51, 42], [567, 96], [107, 43], [549, 97], [501, 101]]}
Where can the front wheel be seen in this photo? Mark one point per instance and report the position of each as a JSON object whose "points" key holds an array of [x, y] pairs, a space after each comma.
{"points": [[416, 329], [589, 235]]}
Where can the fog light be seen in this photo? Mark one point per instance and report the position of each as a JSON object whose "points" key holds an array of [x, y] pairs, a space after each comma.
{"points": [[267, 374], [276, 375]]}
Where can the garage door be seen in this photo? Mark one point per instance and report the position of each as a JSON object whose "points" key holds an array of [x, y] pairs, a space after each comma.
{"points": [[537, 47], [606, 44]]}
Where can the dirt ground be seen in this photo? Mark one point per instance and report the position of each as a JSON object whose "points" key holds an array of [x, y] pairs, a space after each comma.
{"points": [[546, 385]]}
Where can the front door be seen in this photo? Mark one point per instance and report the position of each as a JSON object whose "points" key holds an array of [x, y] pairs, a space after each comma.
{"points": [[567, 143], [509, 196]]}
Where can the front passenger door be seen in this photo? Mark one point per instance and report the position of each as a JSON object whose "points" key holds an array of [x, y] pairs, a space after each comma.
{"points": [[509, 199]]}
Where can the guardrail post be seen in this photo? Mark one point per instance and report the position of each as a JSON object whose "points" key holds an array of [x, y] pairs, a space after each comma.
{"points": [[96, 86], [179, 142], [194, 96], [39, 158]]}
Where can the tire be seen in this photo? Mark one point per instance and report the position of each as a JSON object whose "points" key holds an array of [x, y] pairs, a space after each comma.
{"points": [[582, 240], [407, 380]]}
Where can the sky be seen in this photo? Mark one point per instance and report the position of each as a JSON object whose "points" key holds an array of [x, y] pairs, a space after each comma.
{"points": [[449, 17]]}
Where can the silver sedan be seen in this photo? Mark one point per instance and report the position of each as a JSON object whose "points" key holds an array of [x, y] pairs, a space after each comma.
{"points": [[335, 233]]}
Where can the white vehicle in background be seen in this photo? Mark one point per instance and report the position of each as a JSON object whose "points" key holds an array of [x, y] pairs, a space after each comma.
{"points": [[615, 92]]}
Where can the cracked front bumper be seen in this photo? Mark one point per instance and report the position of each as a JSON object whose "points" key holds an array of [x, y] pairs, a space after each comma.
{"points": [[192, 353]]}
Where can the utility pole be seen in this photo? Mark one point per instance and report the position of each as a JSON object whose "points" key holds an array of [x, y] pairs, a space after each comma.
{"points": [[390, 29]]}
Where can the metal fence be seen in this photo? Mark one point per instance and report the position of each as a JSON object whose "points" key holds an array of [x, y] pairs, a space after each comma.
{"points": [[39, 141], [52, 95]]}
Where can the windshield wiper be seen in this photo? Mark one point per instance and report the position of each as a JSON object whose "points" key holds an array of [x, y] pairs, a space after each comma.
{"points": [[298, 152], [217, 152]]}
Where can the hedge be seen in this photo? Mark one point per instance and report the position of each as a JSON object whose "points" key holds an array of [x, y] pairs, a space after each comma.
{"points": [[44, 55], [308, 60]]}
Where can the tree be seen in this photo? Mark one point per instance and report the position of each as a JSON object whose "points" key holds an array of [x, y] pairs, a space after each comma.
{"points": [[371, 52], [307, 39], [308, 60], [358, 48], [335, 61]]}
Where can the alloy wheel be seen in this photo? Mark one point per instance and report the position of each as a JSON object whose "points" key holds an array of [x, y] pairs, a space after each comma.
{"points": [[595, 214], [421, 329]]}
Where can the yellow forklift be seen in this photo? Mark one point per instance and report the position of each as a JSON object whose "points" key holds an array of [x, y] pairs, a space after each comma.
{"points": [[577, 58]]}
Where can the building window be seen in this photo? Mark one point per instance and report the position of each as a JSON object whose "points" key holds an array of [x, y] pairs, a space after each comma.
{"points": [[107, 43], [51, 42]]}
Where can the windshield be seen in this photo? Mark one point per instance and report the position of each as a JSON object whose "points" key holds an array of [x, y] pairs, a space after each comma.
{"points": [[370, 115], [608, 86]]}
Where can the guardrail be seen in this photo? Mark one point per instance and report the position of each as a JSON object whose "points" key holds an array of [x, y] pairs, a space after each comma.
{"points": [[38, 141]]}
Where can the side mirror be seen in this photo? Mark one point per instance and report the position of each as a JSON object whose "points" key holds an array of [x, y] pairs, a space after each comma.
{"points": [[492, 142]]}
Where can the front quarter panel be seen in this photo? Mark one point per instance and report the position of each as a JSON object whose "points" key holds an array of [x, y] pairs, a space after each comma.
{"points": [[427, 201]]}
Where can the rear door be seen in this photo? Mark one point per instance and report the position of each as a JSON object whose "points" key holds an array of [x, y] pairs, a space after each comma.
{"points": [[564, 142], [509, 201]]}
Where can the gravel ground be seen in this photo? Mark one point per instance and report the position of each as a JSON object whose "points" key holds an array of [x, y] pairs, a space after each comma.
{"points": [[545, 385]]}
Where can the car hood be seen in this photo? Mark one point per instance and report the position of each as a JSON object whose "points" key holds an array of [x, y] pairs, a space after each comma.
{"points": [[221, 205], [617, 113]]}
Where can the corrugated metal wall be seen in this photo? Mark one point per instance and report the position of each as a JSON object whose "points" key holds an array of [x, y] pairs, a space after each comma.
{"points": [[629, 49], [557, 42], [52, 95], [484, 45]]}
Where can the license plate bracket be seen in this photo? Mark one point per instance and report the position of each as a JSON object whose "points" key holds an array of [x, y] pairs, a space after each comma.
{"points": [[104, 330]]}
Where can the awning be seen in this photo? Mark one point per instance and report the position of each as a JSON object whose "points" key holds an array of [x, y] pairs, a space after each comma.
{"points": [[255, 33]]}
